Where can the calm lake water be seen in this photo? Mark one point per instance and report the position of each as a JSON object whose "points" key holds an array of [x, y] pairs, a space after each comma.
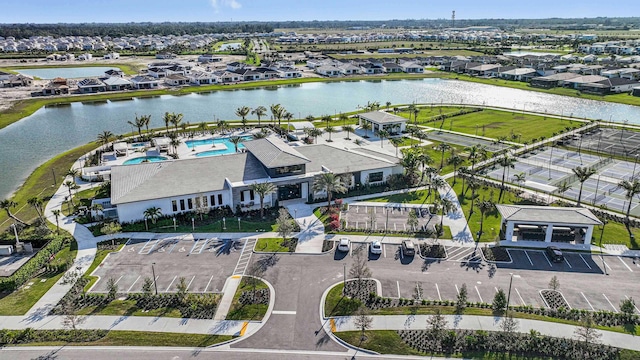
{"points": [[66, 72], [49, 131]]}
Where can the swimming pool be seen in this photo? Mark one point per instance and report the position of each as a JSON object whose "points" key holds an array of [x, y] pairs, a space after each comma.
{"points": [[230, 148], [142, 159]]}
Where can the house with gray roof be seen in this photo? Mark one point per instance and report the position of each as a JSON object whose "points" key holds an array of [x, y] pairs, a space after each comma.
{"points": [[179, 186]]}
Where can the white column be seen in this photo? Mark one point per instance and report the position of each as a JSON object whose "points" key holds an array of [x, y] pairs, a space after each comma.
{"points": [[547, 237], [587, 236], [509, 232]]}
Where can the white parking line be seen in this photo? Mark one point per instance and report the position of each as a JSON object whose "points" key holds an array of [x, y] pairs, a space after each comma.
{"points": [[171, 283], [567, 261], [119, 279], [614, 308], [398, 285], [194, 246], [591, 306], [131, 287], [188, 286], [638, 310], [521, 299], [209, 283], [384, 250], [547, 258], [175, 243], [625, 264], [457, 291], [526, 253], [585, 261], [478, 291], [438, 290]]}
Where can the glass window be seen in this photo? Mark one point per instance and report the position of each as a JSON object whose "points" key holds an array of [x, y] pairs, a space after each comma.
{"points": [[241, 196], [213, 200], [174, 205], [220, 199], [181, 204], [190, 203], [204, 201], [375, 177], [251, 195]]}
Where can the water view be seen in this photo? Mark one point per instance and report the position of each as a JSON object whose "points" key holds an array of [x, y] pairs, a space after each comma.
{"points": [[30, 142], [65, 72]]}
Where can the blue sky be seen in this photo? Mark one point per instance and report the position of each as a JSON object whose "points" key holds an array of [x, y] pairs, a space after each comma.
{"points": [[53, 11]]}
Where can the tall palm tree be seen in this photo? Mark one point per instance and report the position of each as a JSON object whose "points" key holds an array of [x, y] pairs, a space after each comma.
{"points": [[563, 187], [396, 142], [36, 203], [243, 112], [344, 118], [455, 160], [383, 134], [473, 184], [505, 161], [105, 137], [446, 206], [484, 207], [315, 132], [410, 162], [287, 116], [167, 120], [410, 109], [236, 140], [425, 160], [632, 189], [583, 174], [73, 173], [366, 126], [7, 204], [329, 130], [388, 104], [415, 116], [436, 183], [520, 178], [222, 126], [277, 111], [71, 185], [137, 123], [260, 111], [146, 119], [442, 147], [348, 129], [176, 119], [56, 213], [174, 143], [473, 153], [153, 213], [330, 183], [262, 189]]}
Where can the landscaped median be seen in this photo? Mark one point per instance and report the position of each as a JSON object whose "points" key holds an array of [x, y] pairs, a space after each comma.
{"points": [[427, 326]]}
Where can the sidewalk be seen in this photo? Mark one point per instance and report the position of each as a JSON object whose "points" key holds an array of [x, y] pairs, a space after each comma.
{"points": [[489, 323], [311, 235]]}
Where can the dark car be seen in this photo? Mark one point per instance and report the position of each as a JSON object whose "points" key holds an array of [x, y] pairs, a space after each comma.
{"points": [[408, 248], [554, 254]]}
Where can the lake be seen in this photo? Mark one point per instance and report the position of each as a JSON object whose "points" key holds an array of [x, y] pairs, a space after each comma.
{"points": [[49, 131], [65, 72]]}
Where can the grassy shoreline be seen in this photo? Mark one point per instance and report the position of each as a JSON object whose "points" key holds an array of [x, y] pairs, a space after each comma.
{"points": [[128, 69]]}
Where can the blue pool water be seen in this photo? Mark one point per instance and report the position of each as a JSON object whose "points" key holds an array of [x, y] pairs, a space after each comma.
{"points": [[209, 142], [142, 159], [137, 145]]}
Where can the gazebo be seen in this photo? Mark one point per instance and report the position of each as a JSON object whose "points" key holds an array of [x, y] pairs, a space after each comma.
{"points": [[546, 223], [380, 120]]}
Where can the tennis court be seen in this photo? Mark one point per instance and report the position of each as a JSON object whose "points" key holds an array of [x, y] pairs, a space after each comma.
{"points": [[465, 141], [620, 142]]}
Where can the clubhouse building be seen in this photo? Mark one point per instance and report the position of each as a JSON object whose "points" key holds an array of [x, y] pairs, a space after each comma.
{"points": [[178, 186]]}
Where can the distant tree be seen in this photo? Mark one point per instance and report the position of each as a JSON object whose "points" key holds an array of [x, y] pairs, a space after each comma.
{"points": [[147, 287], [499, 301], [236, 140], [383, 134], [36, 203], [362, 321], [461, 304], [628, 307], [284, 223], [262, 189], [437, 324], [505, 161], [348, 129], [442, 147], [366, 126], [56, 213], [329, 183], [587, 334], [509, 324], [182, 289], [583, 174], [412, 221], [554, 283], [112, 289], [359, 269], [260, 111]]}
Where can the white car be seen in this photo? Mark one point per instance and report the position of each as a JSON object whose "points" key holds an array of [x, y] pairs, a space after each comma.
{"points": [[376, 247], [344, 244]]}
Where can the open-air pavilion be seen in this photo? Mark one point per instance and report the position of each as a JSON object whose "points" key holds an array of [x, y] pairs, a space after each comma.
{"points": [[549, 224], [380, 120]]}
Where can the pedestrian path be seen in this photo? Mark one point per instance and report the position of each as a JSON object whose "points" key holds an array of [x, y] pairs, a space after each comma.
{"points": [[472, 322], [456, 220], [311, 235], [229, 291]]}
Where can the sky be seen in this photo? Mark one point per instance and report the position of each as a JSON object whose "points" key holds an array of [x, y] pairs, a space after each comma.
{"points": [[74, 11]]}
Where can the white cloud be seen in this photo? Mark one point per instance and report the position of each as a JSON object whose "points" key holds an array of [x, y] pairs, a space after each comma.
{"points": [[217, 4]]}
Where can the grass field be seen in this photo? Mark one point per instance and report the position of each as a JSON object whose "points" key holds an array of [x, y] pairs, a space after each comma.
{"points": [[247, 312], [128, 308], [272, 245], [140, 338], [128, 69], [40, 183], [21, 300], [97, 260]]}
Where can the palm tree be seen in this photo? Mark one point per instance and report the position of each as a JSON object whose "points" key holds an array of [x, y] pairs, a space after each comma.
{"points": [[329, 130], [262, 189], [633, 189], [388, 103], [330, 183], [56, 213], [410, 109], [396, 142], [442, 147], [167, 120], [261, 134], [505, 161], [455, 160], [105, 137], [473, 184], [277, 111], [221, 126], [203, 127], [473, 154], [36, 203], [260, 111], [366, 126], [174, 143], [74, 173], [410, 162], [7, 205], [243, 112], [583, 174], [344, 118], [383, 134], [415, 116], [436, 183], [137, 123], [425, 160], [484, 206], [563, 187], [176, 119], [152, 213], [146, 119], [446, 206], [236, 140], [520, 178], [348, 129], [315, 132], [71, 185]]}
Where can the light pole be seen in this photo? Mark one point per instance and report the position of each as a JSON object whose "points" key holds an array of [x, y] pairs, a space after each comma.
{"points": [[509, 293], [146, 225], [635, 163], [153, 271], [224, 224], [238, 223], [193, 224], [604, 265], [344, 275], [174, 223], [15, 232]]}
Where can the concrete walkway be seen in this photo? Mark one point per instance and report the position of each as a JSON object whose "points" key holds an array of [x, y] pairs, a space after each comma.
{"points": [[489, 323], [311, 235], [456, 220]]}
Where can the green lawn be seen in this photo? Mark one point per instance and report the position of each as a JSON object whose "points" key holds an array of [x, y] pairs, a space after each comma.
{"points": [[128, 308], [99, 258], [128, 69], [380, 341], [515, 126], [337, 305], [436, 156], [427, 113], [21, 300], [247, 312], [40, 183], [273, 245], [411, 197], [141, 338]]}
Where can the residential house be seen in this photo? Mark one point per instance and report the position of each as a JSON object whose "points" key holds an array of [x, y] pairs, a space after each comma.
{"points": [[328, 70], [144, 82], [201, 78], [91, 85], [114, 73], [115, 83], [412, 67], [176, 80], [56, 86], [224, 76], [610, 86], [391, 67], [519, 74]]}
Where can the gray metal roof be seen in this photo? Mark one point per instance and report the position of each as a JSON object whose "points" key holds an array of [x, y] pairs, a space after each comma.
{"points": [[273, 152], [340, 161], [381, 117], [548, 214], [147, 181]]}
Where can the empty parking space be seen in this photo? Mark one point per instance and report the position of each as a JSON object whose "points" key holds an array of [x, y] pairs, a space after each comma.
{"points": [[380, 216]]}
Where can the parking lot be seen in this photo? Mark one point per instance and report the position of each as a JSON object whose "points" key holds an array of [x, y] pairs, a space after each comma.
{"points": [[205, 263], [381, 216], [590, 282]]}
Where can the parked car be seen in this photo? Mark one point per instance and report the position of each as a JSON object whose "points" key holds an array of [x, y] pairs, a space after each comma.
{"points": [[554, 253], [376, 247], [344, 244], [408, 248]]}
